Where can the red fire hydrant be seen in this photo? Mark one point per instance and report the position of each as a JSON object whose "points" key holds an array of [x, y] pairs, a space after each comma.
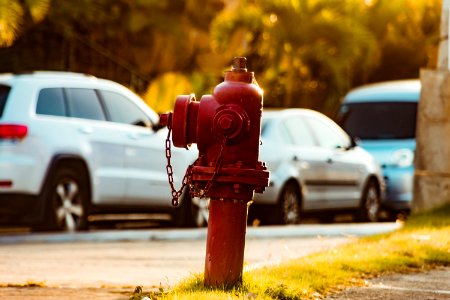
{"points": [[226, 127]]}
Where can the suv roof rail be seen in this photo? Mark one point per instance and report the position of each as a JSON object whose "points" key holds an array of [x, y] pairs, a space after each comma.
{"points": [[51, 73]]}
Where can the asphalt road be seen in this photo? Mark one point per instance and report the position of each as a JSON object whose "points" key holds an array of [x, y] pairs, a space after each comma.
{"points": [[121, 260]]}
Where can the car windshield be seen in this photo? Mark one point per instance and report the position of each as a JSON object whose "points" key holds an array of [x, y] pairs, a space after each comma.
{"points": [[379, 120]]}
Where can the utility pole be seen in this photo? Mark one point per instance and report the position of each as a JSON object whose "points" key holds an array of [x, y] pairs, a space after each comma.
{"points": [[432, 163], [443, 62]]}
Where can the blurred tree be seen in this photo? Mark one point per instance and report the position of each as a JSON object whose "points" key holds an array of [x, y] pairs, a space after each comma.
{"points": [[305, 53], [407, 32], [17, 15], [306, 50], [154, 36], [128, 41]]}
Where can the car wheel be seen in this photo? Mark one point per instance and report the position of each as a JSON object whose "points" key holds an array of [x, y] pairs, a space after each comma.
{"points": [[200, 211], [289, 205], [370, 203], [66, 198], [192, 212]]}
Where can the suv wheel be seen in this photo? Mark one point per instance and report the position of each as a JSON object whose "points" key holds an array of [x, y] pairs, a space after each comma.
{"points": [[66, 198], [192, 212], [200, 211], [370, 204]]}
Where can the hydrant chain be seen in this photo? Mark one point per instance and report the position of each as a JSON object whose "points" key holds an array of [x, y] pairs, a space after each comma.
{"points": [[205, 191], [186, 179]]}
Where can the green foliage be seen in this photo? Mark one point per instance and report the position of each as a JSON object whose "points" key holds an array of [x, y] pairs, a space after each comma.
{"points": [[162, 92], [309, 49], [407, 32], [305, 53], [16, 14], [441, 218]]}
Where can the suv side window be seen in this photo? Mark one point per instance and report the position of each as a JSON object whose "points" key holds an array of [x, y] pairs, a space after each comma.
{"points": [[84, 103], [122, 110], [51, 102], [4, 93]]}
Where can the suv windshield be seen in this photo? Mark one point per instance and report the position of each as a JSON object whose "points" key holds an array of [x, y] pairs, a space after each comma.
{"points": [[4, 92], [379, 120]]}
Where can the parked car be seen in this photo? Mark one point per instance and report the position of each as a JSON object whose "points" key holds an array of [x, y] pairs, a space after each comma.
{"points": [[315, 167], [383, 117], [73, 146]]}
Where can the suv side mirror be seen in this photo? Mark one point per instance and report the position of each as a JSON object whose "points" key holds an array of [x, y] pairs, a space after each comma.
{"points": [[157, 126]]}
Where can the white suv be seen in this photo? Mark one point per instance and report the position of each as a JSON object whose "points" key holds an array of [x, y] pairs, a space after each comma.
{"points": [[73, 146]]}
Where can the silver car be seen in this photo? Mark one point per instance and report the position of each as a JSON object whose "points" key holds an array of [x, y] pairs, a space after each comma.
{"points": [[315, 168]]}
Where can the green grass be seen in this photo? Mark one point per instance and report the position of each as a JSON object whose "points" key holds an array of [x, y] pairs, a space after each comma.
{"points": [[422, 243]]}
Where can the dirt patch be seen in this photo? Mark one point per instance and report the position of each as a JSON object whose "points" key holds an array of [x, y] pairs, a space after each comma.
{"points": [[55, 293]]}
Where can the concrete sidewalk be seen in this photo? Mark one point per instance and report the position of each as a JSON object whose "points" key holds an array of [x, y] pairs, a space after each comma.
{"points": [[430, 285]]}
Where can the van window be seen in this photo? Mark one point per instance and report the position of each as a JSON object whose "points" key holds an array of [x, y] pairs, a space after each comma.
{"points": [[379, 120]]}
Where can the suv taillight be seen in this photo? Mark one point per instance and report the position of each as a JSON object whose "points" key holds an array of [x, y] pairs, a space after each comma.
{"points": [[13, 131]]}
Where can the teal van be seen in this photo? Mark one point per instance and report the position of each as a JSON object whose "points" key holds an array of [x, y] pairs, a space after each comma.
{"points": [[382, 116]]}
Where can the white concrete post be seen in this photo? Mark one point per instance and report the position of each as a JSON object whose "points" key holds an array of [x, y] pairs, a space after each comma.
{"points": [[432, 159]]}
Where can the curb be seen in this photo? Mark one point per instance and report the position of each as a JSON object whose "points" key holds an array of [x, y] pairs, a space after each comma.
{"points": [[289, 231]]}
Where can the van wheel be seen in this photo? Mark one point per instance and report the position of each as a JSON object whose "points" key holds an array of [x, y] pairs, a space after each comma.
{"points": [[66, 198], [289, 205], [370, 203]]}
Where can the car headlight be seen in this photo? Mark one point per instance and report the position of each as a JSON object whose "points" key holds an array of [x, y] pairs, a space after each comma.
{"points": [[403, 158]]}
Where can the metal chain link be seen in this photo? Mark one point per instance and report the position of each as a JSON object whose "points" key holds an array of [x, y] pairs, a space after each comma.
{"points": [[205, 191], [187, 176]]}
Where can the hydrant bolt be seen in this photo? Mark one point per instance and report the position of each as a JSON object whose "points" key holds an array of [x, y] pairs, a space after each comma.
{"points": [[226, 122]]}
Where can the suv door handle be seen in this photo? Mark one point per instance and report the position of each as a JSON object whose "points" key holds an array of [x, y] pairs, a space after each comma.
{"points": [[137, 135], [133, 136]]}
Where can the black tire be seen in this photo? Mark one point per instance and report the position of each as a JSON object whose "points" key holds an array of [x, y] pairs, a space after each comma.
{"points": [[200, 211], [66, 198], [289, 205], [370, 203], [192, 212]]}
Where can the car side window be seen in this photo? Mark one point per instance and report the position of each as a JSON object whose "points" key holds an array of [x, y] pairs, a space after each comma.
{"points": [[4, 93], [326, 135], [122, 110], [298, 132], [84, 103], [51, 102]]}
